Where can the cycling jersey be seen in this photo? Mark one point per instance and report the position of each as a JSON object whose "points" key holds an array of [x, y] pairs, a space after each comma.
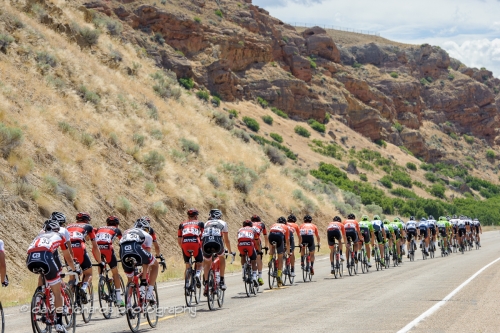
{"points": [[366, 227], [389, 231], [190, 234], [432, 226], [79, 232], [104, 236], [377, 225], [134, 244], [246, 242], [294, 228], [395, 228], [307, 232], [2, 247], [40, 255], [442, 227], [351, 228], [334, 231], [212, 241], [278, 233], [65, 233], [48, 241]]}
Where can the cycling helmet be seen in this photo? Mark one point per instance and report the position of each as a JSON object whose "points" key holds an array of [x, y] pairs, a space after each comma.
{"points": [[386, 221], [215, 214], [192, 212], [431, 217], [281, 219], [454, 216], [143, 223], [396, 220], [337, 219], [351, 216], [112, 220], [247, 223], [255, 218], [59, 217], [51, 225], [308, 218], [292, 218], [364, 218], [376, 217], [412, 218], [82, 216]]}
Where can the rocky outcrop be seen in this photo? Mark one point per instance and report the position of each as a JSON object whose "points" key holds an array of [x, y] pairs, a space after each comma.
{"points": [[320, 44]]}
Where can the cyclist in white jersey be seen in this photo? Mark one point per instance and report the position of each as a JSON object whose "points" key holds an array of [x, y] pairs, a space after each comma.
{"points": [[423, 226], [431, 223], [477, 227], [411, 233], [379, 232]]}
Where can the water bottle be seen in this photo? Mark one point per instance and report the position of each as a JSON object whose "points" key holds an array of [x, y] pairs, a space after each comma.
{"points": [[217, 277]]}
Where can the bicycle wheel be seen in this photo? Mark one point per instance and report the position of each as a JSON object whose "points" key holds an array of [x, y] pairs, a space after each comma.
{"points": [[211, 290], [284, 272], [220, 297], [105, 297], [69, 314], [3, 318], [350, 262], [39, 313], [364, 265], [88, 303], [271, 274], [152, 309], [189, 293], [378, 264], [133, 308], [387, 258], [290, 277], [247, 280]]}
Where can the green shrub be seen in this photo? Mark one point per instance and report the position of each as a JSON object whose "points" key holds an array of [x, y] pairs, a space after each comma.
{"points": [[241, 134], [401, 178], [262, 102], [187, 83], [216, 101], [158, 38], [326, 149], [453, 136], [317, 126], [490, 154], [262, 141], [279, 112], [213, 179], [302, 131], [159, 209], [233, 112], [430, 176], [203, 95], [437, 190], [381, 143], [267, 119], [222, 120], [154, 161], [406, 150], [123, 206], [386, 181], [150, 188], [356, 65], [156, 134], [402, 192], [419, 184], [89, 96], [91, 36], [189, 146], [218, 12], [275, 155], [363, 177], [312, 63], [87, 139], [398, 126], [411, 166], [424, 82], [451, 77], [45, 59], [366, 166], [276, 137], [243, 177], [468, 139], [251, 123], [197, 19], [139, 139], [5, 41], [394, 75], [10, 138]]}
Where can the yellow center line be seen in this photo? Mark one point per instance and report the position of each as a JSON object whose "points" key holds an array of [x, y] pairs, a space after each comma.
{"points": [[165, 318], [274, 289]]}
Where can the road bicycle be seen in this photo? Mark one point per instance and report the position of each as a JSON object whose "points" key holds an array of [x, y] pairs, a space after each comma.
{"points": [[376, 254], [352, 265], [411, 250], [251, 285], [191, 289], [431, 249], [306, 268], [106, 290], [272, 272], [135, 298], [395, 258], [444, 252], [387, 254], [42, 309], [213, 288], [338, 265], [476, 240], [363, 259], [287, 270]]}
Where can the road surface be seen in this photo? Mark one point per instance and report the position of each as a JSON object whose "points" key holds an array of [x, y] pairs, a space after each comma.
{"points": [[383, 301]]}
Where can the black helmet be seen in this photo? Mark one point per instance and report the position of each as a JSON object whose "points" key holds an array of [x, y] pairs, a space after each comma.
{"points": [[337, 219], [431, 217], [112, 220], [255, 218], [308, 218], [82, 216], [351, 216], [281, 219], [51, 225], [215, 214], [247, 223], [412, 218], [59, 217], [192, 212], [292, 218]]}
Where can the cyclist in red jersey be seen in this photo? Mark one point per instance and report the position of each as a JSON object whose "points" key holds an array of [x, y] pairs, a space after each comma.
{"points": [[294, 230], [104, 237], [353, 232], [246, 241], [189, 238], [279, 234], [41, 260], [261, 230], [335, 231], [80, 232], [307, 231]]}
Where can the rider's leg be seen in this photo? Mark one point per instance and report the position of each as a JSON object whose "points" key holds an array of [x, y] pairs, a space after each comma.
{"points": [[58, 301], [222, 260]]}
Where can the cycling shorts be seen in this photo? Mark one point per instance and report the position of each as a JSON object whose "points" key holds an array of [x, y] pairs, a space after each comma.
{"points": [[108, 253], [292, 242], [424, 232], [461, 232], [365, 232], [43, 262], [477, 229], [352, 234], [455, 229], [57, 260], [212, 244], [397, 233], [442, 232], [309, 239], [191, 244], [248, 246], [433, 231], [80, 254], [279, 239], [136, 251], [379, 236], [333, 235], [412, 233]]}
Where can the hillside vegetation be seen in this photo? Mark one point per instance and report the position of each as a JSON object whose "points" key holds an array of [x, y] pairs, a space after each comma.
{"points": [[105, 109]]}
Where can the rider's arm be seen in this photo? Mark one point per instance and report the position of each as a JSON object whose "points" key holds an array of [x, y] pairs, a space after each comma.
{"points": [[179, 236], [317, 235], [3, 266], [226, 241], [95, 251], [157, 247], [68, 257], [264, 232]]}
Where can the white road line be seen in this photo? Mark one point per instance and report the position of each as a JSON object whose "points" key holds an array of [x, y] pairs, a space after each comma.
{"points": [[436, 306]]}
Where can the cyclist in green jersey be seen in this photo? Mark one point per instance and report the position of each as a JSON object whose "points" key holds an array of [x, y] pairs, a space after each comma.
{"points": [[443, 227], [397, 235], [366, 228], [389, 232], [379, 232]]}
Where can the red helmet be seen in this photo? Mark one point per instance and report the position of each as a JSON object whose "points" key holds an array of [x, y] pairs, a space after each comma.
{"points": [[192, 212], [112, 220], [247, 223], [255, 218], [82, 216]]}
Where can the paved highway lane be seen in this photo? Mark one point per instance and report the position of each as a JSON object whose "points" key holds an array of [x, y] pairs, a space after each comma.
{"points": [[383, 301]]}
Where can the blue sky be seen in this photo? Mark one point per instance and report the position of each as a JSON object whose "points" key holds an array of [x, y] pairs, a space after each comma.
{"points": [[468, 29]]}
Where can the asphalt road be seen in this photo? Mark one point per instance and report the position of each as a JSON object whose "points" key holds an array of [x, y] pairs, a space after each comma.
{"points": [[383, 301]]}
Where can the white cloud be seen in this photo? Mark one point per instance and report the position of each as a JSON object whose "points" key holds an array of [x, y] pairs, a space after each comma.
{"points": [[477, 53]]}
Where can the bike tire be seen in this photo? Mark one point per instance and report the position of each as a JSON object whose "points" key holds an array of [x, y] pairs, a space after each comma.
{"points": [[291, 278], [133, 311], [304, 273], [246, 279], [284, 273], [364, 265], [188, 292], [211, 290], [378, 264], [69, 318], [220, 297], [271, 275], [105, 297], [87, 308], [350, 263], [38, 310], [152, 310], [197, 294], [3, 318]]}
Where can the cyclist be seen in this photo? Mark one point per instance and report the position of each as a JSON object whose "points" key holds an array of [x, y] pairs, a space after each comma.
{"points": [[335, 231], [80, 232], [260, 230], [279, 233], [156, 245], [246, 236], [136, 243], [468, 229], [189, 239], [389, 234], [479, 229], [379, 233], [41, 260], [411, 233], [214, 237], [461, 230], [366, 228], [402, 230], [61, 219], [3, 266], [307, 232], [352, 233], [423, 228], [397, 237], [454, 224], [443, 226], [294, 228], [104, 236], [431, 222]]}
